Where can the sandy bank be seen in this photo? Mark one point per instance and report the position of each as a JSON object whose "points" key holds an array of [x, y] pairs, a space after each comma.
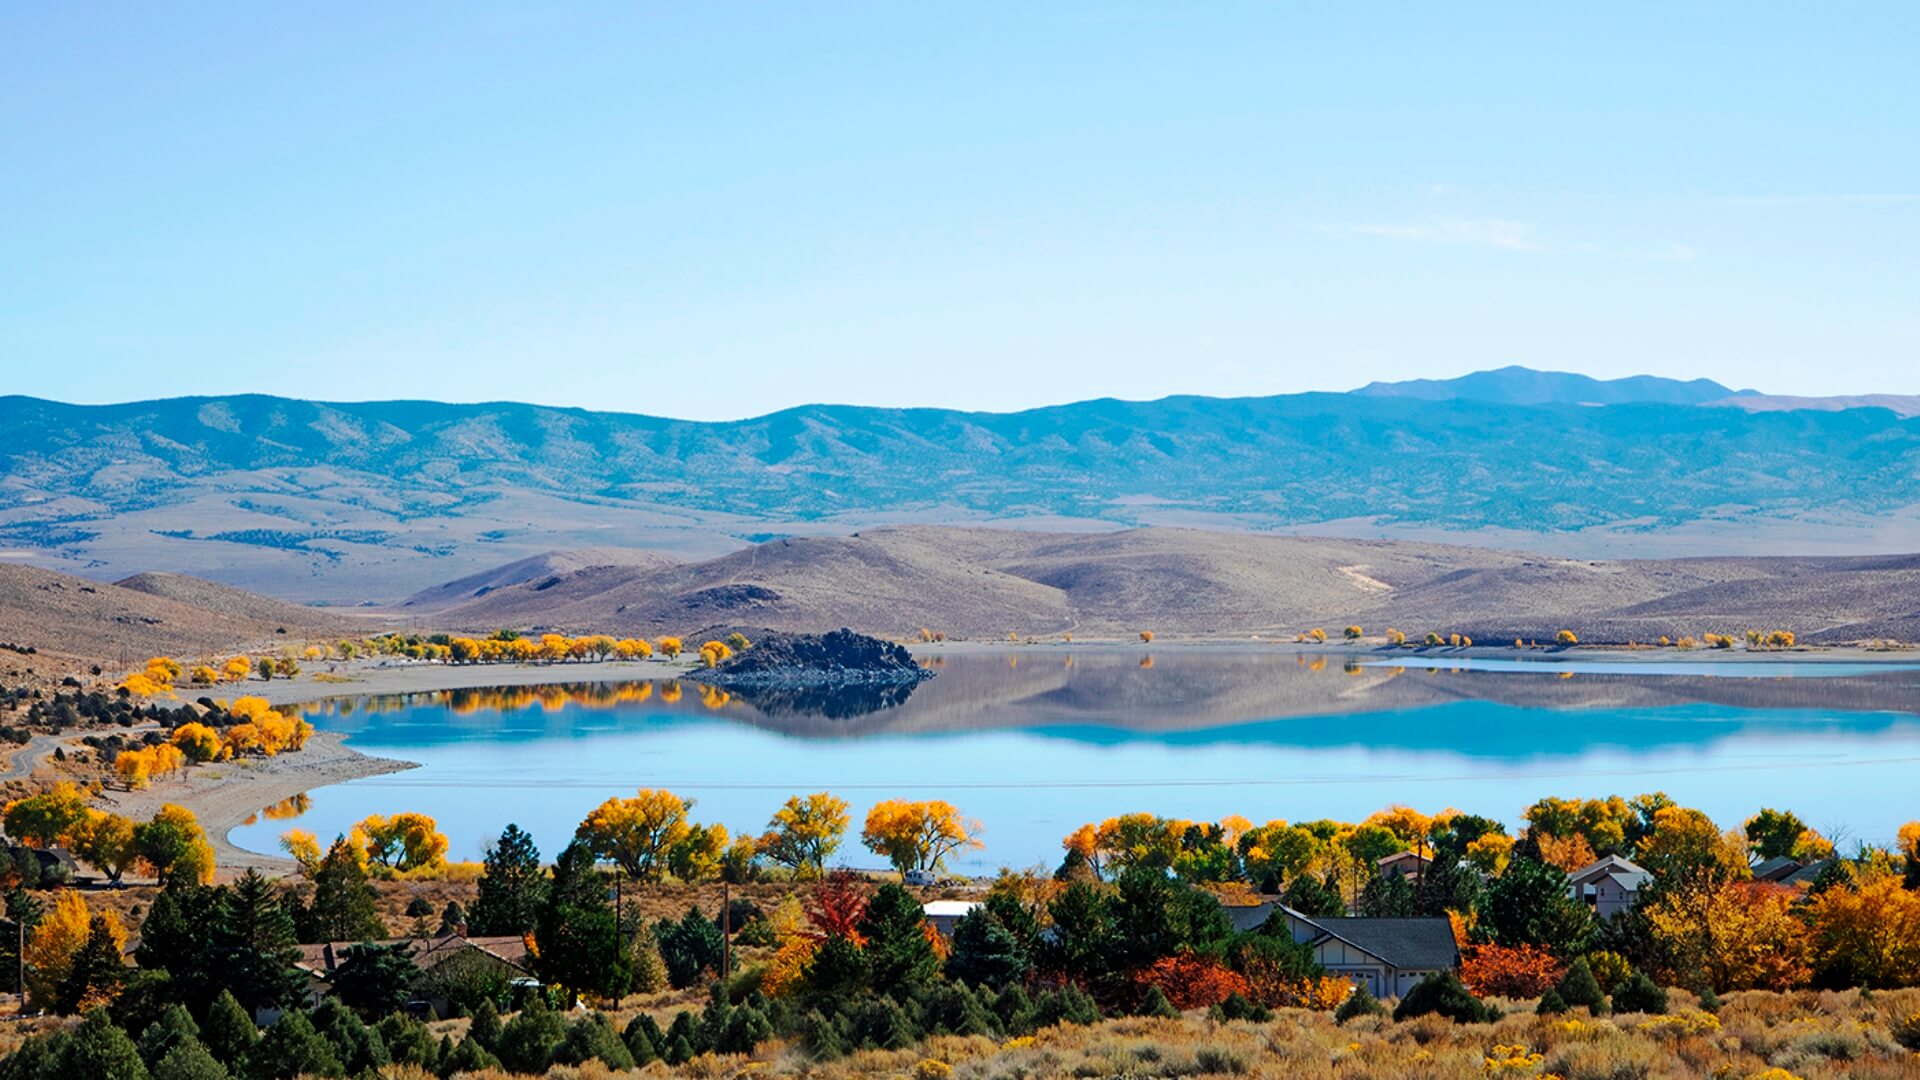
{"points": [[225, 795]]}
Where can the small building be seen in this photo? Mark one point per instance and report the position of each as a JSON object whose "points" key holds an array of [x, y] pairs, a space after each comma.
{"points": [[944, 915], [439, 960], [1609, 886], [1410, 864], [1387, 956], [1806, 875], [1778, 868]]}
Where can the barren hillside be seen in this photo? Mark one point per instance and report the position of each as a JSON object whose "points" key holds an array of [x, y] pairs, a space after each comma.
{"points": [[72, 622], [985, 583]]}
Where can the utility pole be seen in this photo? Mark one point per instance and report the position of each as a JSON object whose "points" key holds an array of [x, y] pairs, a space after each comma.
{"points": [[726, 929]]}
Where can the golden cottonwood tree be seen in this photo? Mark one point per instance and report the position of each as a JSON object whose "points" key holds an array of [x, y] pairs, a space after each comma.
{"points": [[805, 832], [637, 833], [918, 835]]}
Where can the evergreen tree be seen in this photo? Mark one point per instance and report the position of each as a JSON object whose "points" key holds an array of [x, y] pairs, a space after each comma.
{"points": [[881, 1024], [985, 953], [591, 1037], [1314, 896], [229, 1032], [1387, 896], [189, 1061], [254, 944], [836, 973], [1013, 1011], [343, 907], [684, 1032], [469, 1056], [1156, 916], [144, 997], [1445, 994], [1578, 987], [291, 1048], [1448, 884], [1360, 1002], [689, 947], [746, 1028], [99, 1050], [173, 1027], [643, 1038], [1530, 904], [1155, 1003], [823, 1036], [1640, 994], [1551, 1003], [96, 972], [528, 1041], [375, 979], [176, 937], [513, 888], [1068, 1005], [358, 1046], [577, 931], [900, 958], [408, 1041], [485, 1025]]}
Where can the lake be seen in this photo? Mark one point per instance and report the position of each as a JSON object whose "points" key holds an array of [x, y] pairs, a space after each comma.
{"points": [[1036, 741]]}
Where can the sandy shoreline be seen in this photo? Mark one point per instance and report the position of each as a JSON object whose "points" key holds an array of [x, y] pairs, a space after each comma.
{"points": [[225, 795]]}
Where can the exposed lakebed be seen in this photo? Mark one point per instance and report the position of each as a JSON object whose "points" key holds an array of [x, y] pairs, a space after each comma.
{"points": [[1035, 741]]}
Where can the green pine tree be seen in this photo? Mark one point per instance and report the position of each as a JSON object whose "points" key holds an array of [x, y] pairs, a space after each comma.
{"points": [[229, 1032], [291, 1048], [513, 888], [99, 1050]]}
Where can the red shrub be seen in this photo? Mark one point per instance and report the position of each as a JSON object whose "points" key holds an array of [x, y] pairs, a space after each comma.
{"points": [[1192, 982], [1524, 971]]}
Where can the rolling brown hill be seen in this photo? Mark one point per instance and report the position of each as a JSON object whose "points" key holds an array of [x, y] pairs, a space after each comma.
{"points": [[73, 622], [985, 583], [534, 568]]}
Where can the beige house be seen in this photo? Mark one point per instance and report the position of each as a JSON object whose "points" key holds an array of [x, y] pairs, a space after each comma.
{"points": [[1609, 885], [1387, 956]]}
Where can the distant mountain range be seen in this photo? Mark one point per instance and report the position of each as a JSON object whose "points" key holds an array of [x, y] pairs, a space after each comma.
{"points": [[1525, 386], [369, 502]]}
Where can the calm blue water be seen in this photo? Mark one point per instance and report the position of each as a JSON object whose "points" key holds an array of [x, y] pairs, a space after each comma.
{"points": [[1033, 743]]}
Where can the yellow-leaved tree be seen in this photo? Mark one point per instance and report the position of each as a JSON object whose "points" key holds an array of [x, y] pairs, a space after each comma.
{"points": [[57, 942], [406, 842], [805, 832], [637, 833], [918, 835]]}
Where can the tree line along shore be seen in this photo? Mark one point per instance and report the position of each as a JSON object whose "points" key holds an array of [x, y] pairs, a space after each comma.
{"points": [[1140, 933]]}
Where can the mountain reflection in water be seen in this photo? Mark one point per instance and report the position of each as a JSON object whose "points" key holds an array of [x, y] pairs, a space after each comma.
{"points": [[1035, 741]]}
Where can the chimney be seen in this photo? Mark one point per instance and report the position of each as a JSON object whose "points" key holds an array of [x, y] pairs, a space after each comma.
{"points": [[326, 955]]}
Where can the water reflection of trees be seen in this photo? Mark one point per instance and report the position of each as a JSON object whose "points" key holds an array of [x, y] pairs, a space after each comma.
{"points": [[832, 702]]}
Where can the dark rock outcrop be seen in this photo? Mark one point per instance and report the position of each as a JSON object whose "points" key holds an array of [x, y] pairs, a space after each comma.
{"points": [[840, 657]]}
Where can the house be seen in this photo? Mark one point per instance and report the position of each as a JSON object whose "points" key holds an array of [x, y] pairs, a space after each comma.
{"points": [[440, 960], [1404, 863], [1808, 874], [1609, 885], [1778, 868], [1387, 956], [1249, 917], [944, 915]]}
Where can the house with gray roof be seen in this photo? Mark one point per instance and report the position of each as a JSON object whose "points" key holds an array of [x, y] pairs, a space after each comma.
{"points": [[1609, 885], [1387, 956]]}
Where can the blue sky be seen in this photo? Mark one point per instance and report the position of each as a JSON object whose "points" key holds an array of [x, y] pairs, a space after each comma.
{"points": [[719, 210]]}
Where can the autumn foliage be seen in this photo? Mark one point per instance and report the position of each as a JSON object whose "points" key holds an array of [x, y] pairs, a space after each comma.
{"points": [[1522, 971], [1192, 982]]}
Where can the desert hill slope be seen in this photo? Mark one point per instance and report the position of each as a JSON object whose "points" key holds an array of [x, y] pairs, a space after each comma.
{"points": [[985, 583], [70, 619], [534, 568]]}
